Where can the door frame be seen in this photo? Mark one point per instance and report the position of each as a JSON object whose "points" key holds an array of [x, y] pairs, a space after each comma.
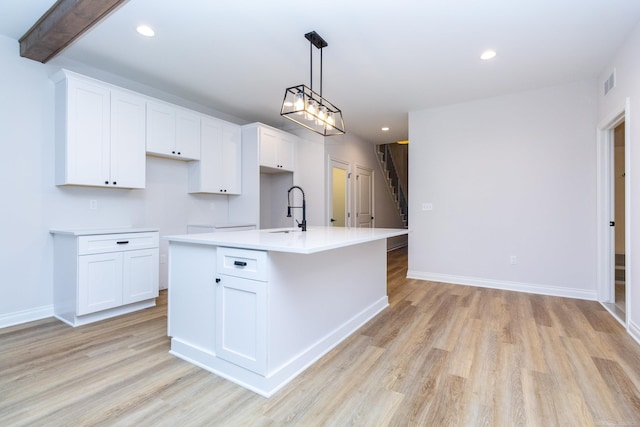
{"points": [[605, 210], [346, 166]]}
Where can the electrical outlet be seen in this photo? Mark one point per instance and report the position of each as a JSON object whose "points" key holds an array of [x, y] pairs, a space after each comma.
{"points": [[513, 260], [93, 204], [163, 258], [427, 206]]}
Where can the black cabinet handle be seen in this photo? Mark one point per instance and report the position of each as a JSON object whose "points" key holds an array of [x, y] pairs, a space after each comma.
{"points": [[240, 263], [123, 242], [217, 280], [106, 182], [114, 183]]}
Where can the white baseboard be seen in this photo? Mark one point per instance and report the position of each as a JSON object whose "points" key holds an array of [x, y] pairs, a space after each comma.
{"points": [[267, 384], [531, 288], [18, 317], [634, 331]]}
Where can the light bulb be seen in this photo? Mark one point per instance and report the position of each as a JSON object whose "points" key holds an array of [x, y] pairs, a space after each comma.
{"points": [[298, 103], [330, 121], [311, 110], [322, 115]]}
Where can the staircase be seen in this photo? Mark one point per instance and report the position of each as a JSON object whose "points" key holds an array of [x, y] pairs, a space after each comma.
{"points": [[394, 182]]}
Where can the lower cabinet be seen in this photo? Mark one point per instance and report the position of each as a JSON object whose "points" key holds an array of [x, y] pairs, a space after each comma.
{"points": [[241, 328], [99, 282], [241, 308], [113, 279], [97, 276]]}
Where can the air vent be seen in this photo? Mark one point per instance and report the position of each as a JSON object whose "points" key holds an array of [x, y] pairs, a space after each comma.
{"points": [[610, 83]]}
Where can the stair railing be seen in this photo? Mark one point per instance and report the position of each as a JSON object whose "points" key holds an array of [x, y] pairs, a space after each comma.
{"points": [[389, 165]]}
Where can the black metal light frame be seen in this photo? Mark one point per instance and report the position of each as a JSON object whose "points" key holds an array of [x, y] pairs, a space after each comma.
{"points": [[304, 106]]}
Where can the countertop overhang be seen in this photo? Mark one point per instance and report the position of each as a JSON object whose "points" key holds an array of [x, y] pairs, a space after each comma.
{"points": [[315, 239]]}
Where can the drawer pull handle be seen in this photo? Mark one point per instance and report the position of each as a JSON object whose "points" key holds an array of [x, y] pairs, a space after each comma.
{"points": [[240, 263], [123, 242]]}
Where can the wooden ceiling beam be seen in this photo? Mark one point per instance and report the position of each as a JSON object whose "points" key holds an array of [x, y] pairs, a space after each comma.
{"points": [[63, 23]]}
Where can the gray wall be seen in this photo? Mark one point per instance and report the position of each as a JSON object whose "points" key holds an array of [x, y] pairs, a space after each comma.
{"points": [[507, 176]]}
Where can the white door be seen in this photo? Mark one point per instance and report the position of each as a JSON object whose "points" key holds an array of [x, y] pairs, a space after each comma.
{"points": [[187, 134], [608, 224], [128, 133], [339, 178], [241, 331], [232, 159], [89, 134], [161, 128], [99, 282], [140, 275], [364, 197]]}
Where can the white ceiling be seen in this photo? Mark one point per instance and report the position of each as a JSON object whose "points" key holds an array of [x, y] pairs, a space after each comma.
{"points": [[384, 58]]}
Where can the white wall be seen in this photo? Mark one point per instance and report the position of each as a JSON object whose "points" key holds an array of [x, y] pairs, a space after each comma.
{"points": [[507, 176], [32, 204], [626, 62]]}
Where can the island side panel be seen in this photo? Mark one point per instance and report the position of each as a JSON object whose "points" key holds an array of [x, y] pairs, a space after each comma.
{"points": [[317, 300], [192, 287]]}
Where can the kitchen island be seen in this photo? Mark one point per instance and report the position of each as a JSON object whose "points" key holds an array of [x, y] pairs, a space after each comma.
{"points": [[258, 307]]}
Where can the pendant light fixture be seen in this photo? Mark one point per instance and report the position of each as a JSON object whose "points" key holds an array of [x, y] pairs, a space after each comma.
{"points": [[304, 106]]}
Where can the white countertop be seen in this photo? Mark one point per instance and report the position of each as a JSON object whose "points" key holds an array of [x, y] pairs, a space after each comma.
{"points": [[95, 231], [315, 239]]}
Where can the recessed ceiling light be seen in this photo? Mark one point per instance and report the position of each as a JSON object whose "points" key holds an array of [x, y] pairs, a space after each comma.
{"points": [[488, 54], [385, 129], [145, 30]]}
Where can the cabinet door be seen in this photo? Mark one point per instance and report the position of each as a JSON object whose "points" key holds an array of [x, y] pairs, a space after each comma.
{"points": [[286, 153], [231, 159], [187, 134], [161, 128], [128, 157], [140, 275], [269, 148], [88, 134], [219, 168], [277, 150], [241, 329], [207, 176], [99, 282]]}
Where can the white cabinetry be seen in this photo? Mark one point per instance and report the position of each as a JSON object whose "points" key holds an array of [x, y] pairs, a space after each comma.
{"points": [[172, 131], [220, 167], [100, 133], [264, 185], [277, 149], [101, 275], [241, 308]]}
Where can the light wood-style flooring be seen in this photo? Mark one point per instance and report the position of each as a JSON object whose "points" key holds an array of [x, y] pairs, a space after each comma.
{"points": [[440, 355]]}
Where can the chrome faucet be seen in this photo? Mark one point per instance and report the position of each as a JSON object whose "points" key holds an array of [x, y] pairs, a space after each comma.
{"points": [[302, 224]]}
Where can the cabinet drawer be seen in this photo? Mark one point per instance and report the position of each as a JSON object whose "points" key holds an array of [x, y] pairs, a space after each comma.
{"points": [[102, 243], [243, 263]]}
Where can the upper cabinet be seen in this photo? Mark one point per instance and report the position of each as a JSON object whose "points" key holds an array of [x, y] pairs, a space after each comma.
{"points": [[172, 131], [220, 166], [277, 149], [100, 134]]}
